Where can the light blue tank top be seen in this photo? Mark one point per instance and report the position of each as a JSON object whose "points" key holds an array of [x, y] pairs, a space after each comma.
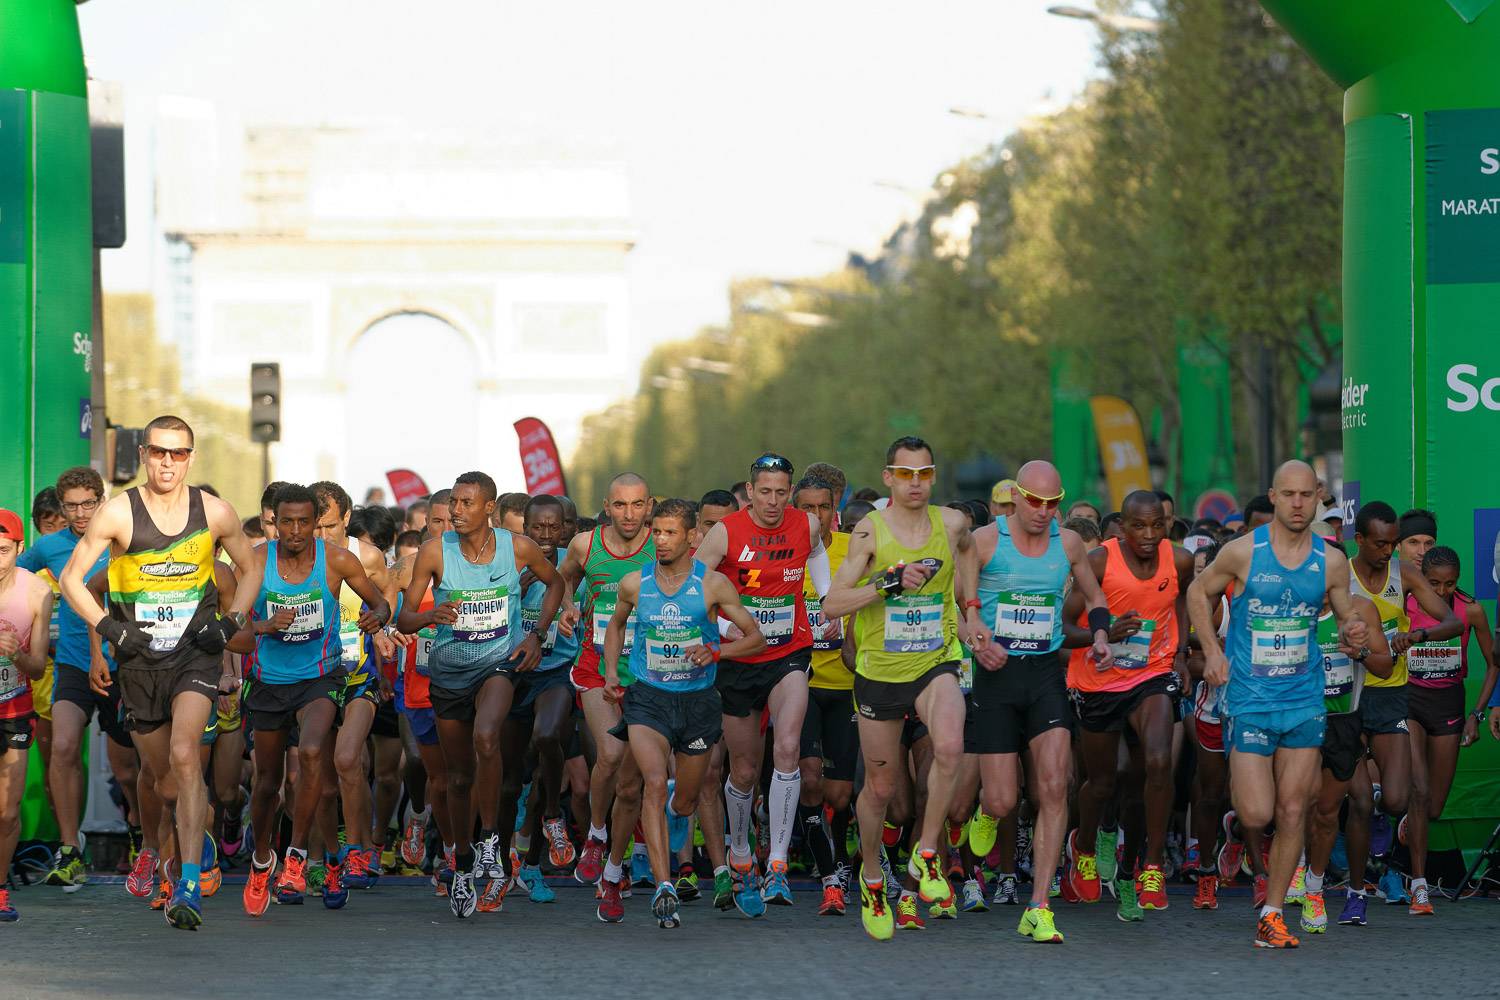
{"points": [[489, 615], [310, 646], [1274, 660], [1021, 596], [558, 650], [665, 626]]}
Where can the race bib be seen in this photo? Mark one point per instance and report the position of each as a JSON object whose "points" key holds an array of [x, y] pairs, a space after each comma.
{"points": [[168, 616], [602, 614], [1024, 622], [1436, 661], [914, 623], [424, 640], [1338, 672], [529, 619], [1279, 647], [12, 682], [1134, 652], [351, 639], [827, 635], [483, 615], [307, 610], [966, 671], [54, 626], [776, 617], [666, 659]]}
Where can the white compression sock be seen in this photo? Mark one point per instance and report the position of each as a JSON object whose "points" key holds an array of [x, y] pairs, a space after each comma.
{"points": [[739, 806], [781, 803]]}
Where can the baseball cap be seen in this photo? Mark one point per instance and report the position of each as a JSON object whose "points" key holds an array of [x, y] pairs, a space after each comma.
{"points": [[1003, 492], [11, 525]]}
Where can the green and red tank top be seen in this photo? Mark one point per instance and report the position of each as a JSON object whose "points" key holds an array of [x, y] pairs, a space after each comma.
{"points": [[602, 572]]}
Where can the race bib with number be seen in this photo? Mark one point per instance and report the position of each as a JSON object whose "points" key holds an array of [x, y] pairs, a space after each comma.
{"points": [[966, 671], [1437, 661], [1024, 622], [1338, 672], [352, 642], [424, 640], [775, 616], [168, 617], [1134, 652], [483, 615], [603, 612], [13, 683], [529, 619], [666, 655], [827, 635], [914, 623], [1280, 647], [307, 611]]}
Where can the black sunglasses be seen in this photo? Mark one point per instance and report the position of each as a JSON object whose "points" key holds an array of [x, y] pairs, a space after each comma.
{"points": [[771, 462]]}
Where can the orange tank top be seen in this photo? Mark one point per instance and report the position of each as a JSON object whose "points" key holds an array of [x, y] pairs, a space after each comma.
{"points": [[1150, 651]]}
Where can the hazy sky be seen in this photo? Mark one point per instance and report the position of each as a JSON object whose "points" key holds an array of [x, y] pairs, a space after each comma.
{"points": [[753, 133]]}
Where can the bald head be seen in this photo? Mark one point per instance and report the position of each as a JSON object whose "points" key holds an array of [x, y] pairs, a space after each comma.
{"points": [[1294, 475], [1040, 478], [1294, 495], [626, 480]]}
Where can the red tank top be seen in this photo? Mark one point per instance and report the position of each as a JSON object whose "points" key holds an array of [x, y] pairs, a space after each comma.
{"points": [[415, 682], [767, 566], [15, 617], [1150, 651]]}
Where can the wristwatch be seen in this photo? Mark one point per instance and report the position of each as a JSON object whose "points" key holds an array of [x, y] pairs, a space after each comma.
{"points": [[239, 618], [1362, 655], [1478, 714]]}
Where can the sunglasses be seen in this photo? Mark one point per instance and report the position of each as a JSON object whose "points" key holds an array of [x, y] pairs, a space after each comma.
{"points": [[1035, 500], [770, 462], [159, 453], [908, 473]]}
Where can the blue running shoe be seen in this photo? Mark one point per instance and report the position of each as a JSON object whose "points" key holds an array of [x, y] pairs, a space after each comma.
{"points": [[677, 826], [664, 905], [210, 853], [1340, 857], [1380, 835], [747, 897], [777, 890], [1353, 913], [8, 913], [540, 892], [521, 806], [1393, 887], [335, 892], [185, 909], [354, 867]]}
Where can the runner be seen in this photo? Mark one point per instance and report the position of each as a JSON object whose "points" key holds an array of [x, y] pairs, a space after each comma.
{"points": [[906, 627], [46, 518], [268, 509], [475, 572], [164, 625], [1416, 535], [767, 550], [25, 614], [1274, 699], [297, 680], [599, 560], [1376, 573], [1020, 700], [1144, 578], [674, 708], [713, 508]]}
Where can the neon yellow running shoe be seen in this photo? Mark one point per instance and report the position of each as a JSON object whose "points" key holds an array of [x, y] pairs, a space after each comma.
{"points": [[982, 832], [874, 911], [1298, 887], [1036, 923], [1314, 913], [927, 868]]}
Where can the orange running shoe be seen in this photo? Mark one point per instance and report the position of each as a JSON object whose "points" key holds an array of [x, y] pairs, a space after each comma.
{"points": [[356, 869], [492, 899], [1271, 932], [1421, 901], [210, 880], [560, 850], [257, 894], [163, 893], [1151, 888], [1207, 896], [292, 885], [1082, 877], [833, 902]]}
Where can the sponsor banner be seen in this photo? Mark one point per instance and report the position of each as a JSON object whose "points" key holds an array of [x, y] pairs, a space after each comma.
{"points": [[406, 486], [539, 457], [1122, 447]]}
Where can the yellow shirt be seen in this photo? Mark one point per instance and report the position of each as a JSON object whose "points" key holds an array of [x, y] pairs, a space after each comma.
{"points": [[828, 670], [1391, 603]]}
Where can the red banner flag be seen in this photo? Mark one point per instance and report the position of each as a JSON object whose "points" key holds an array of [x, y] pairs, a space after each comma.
{"points": [[539, 457], [406, 486]]}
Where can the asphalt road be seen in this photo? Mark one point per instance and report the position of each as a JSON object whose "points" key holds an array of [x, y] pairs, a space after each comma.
{"points": [[399, 941]]}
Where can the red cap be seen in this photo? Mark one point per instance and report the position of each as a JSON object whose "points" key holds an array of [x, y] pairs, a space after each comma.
{"points": [[11, 526]]}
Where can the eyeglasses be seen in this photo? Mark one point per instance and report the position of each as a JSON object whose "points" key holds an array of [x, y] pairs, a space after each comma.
{"points": [[159, 453], [1036, 500], [771, 462], [85, 505], [908, 473]]}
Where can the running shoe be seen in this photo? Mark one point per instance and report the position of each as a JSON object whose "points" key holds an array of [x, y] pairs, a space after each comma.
{"points": [[982, 832], [640, 864], [932, 884], [1314, 913], [844, 872], [625, 880], [1106, 842], [1082, 878], [973, 894], [68, 870], [945, 909], [1151, 888], [777, 890], [355, 868], [1191, 862], [874, 910], [1271, 932], [492, 898], [317, 874], [538, 889], [1206, 897], [462, 899], [374, 866], [953, 865], [8, 914], [1258, 892], [560, 849], [1232, 854], [487, 862], [1297, 888], [414, 841], [164, 893], [1005, 891], [143, 874], [665, 904], [335, 892], [1353, 913], [234, 834], [1401, 830], [611, 909], [210, 858], [291, 886], [687, 883], [723, 890], [1037, 924], [257, 894], [1127, 907], [908, 917], [1055, 889], [442, 872], [184, 909], [1421, 901], [833, 902], [747, 897], [209, 882], [1380, 834], [1393, 888], [590, 862], [892, 886]]}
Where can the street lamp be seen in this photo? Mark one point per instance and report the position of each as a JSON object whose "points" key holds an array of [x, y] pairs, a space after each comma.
{"points": [[1119, 22]]}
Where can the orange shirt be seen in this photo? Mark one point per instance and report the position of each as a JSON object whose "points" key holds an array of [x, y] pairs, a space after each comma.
{"points": [[1150, 651]]}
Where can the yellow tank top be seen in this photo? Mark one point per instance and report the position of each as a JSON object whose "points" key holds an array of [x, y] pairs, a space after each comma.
{"points": [[903, 637], [356, 651], [1391, 603], [828, 670]]}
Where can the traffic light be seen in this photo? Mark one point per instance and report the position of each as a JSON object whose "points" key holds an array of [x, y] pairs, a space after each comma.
{"points": [[123, 453], [1324, 425], [265, 401]]}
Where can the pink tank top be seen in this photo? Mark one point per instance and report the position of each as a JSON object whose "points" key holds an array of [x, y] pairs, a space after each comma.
{"points": [[1441, 663], [15, 617]]}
